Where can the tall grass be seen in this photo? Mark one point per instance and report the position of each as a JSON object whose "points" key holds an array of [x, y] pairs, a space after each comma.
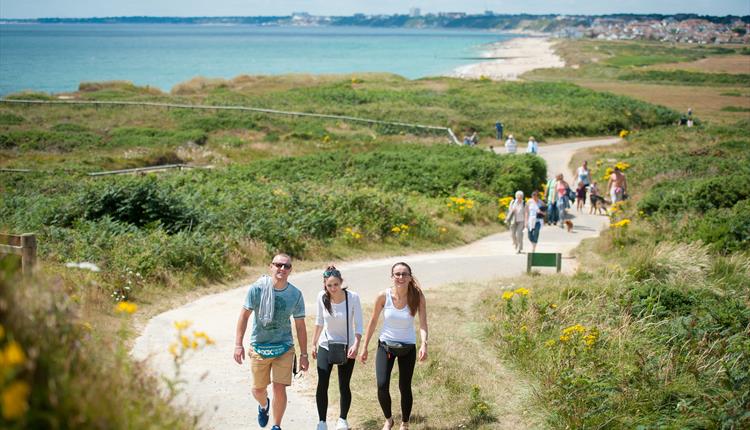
{"points": [[60, 372], [653, 330]]}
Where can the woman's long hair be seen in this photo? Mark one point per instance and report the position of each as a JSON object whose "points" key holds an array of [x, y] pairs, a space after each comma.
{"points": [[330, 272], [413, 291]]}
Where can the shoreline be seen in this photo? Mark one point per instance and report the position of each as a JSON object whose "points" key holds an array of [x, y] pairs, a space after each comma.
{"points": [[509, 59]]}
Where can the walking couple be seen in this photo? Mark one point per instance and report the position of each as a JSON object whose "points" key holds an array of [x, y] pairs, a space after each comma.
{"points": [[336, 342]]}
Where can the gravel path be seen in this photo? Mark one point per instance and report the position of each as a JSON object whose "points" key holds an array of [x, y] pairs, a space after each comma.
{"points": [[219, 389]]}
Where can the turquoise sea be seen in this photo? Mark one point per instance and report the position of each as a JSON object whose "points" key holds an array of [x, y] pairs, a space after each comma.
{"points": [[57, 57]]}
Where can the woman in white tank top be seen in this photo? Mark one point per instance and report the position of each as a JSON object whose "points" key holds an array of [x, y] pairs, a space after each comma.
{"points": [[397, 340]]}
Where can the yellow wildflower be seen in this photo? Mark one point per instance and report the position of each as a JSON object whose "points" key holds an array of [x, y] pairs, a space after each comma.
{"points": [[182, 325], [574, 329], [13, 354], [624, 133], [209, 341], [553, 306], [396, 229], [589, 340], [564, 338], [622, 223], [185, 341], [508, 295], [126, 307], [522, 291], [550, 343], [501, 216], [173, 349], [15, 400], [524, 329]]}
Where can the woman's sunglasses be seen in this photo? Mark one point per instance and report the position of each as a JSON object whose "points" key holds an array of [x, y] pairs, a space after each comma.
{"points": [[335, 273]]}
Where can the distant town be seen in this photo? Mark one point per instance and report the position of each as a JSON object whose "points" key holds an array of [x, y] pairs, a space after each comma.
{"points": [[680, 28]]}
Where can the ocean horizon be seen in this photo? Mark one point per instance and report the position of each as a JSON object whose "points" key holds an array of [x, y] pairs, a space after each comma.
{"points": [[56, 58]]}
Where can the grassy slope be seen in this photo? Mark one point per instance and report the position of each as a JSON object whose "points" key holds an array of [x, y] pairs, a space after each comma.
{"points": [[695, 76], [86, 139]]}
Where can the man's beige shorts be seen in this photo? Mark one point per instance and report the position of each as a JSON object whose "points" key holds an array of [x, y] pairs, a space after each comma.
{"points": [[277, 369]]}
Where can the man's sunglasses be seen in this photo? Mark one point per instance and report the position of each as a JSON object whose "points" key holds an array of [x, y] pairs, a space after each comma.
{"points": [[286, 266]]}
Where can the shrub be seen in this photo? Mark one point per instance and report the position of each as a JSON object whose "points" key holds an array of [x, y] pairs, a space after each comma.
{"points": [[140, 202], [8, 118], [726, 230], [39, 140]]}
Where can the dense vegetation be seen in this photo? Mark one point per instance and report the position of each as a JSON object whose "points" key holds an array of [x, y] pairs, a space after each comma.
{"points": [[97, 136], [653, 330], [56, 372], [191, 222]]}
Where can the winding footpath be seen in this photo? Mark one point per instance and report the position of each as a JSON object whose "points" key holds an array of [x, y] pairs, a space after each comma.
{"points": [[219, 389]]}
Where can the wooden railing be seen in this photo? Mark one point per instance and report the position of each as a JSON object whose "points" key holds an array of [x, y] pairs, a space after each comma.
{"points": [[23, 245]]}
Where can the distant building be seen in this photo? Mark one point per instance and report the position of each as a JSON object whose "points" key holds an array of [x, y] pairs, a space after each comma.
{"points": [[415, 12]]}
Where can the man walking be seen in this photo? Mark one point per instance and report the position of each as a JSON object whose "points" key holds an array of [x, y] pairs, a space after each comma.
{"points": [[617, 185], [271, 354]]}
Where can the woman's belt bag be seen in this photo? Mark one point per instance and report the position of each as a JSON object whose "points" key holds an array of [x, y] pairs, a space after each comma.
{"points": [[337, 352], [396, 349]]}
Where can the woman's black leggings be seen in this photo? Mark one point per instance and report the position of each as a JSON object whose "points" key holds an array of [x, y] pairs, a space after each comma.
{"points": [[383, 369], [324, 375]]}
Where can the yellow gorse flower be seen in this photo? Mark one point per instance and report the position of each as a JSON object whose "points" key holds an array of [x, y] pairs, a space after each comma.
{"points": [[622, 165], [508, 295], [522, 291], [13, 355], [624, 133], [622, 223], [15, 400], [126, 307]]}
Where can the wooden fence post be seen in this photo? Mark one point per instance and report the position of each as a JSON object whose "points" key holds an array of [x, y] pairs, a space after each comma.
{"points": [[28, 253]]}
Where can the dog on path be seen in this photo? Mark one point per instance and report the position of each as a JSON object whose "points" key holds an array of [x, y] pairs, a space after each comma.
{"points": [[569, 225]]}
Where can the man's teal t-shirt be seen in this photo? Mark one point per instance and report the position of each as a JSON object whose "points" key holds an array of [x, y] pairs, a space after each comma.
{"points": [[287, 302]]}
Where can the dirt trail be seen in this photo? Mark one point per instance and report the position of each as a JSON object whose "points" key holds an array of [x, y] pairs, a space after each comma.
{"points": [[220, 389]]}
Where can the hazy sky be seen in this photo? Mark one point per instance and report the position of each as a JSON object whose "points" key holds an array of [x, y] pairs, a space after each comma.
{"points": [[92, 8]]}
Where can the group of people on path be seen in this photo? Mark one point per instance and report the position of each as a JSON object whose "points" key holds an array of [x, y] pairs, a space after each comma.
{"points": [[274, 302], [511, 146], [553, 209]]}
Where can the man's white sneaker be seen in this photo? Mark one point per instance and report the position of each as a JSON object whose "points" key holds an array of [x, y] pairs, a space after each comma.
{"points": [[341, 424], [322, 426]]}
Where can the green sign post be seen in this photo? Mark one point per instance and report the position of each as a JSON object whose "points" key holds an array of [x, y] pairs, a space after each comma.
{"points": [[543, 259]]}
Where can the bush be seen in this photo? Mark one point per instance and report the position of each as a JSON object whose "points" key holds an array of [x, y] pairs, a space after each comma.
{"points": [[140, 202], [8, 118], [39, 140], [726, 230]]}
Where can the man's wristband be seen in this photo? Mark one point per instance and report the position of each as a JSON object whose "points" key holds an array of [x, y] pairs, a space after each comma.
{"points": [[304, 354]]}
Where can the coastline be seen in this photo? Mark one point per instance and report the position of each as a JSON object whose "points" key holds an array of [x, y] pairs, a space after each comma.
{"points": [[509, 59]]}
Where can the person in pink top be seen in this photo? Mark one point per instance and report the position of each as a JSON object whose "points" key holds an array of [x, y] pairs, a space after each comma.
{"points": [[562, 199], [397, 342]]}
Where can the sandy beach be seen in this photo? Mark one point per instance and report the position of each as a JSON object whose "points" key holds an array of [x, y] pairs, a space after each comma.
{"points": [[509, 59]]}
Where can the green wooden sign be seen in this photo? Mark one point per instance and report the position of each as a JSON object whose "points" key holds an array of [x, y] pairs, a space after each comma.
{"points": [[543, 259]]}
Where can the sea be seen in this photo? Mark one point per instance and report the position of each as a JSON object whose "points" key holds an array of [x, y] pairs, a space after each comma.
{"points": [[55, 58]]}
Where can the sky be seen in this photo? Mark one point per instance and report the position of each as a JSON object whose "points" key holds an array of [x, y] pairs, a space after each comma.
{"points": [[99, 8]]}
